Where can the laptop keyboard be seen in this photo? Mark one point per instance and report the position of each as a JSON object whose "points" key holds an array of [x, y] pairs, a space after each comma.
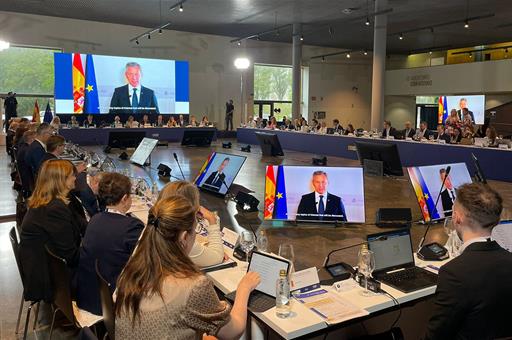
{"points": [[408, 274], [258, 302]]}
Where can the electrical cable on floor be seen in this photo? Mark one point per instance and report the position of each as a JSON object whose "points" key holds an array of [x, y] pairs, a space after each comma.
{"points": [[396, 303]]}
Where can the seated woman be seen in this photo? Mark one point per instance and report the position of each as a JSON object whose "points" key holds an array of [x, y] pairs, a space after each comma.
{"points": [[193, 121], [207, 251], [117, 122], [204, 122], [349, 130], [323, 128], [49, 221], [161, 293], [73, 123], [55, 124], [131, 123], [172, 122], [110, 238], [272, 123]]}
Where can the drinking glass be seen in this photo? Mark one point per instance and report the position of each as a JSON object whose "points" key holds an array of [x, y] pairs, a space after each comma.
{"points": [[247, 243], [286, 251], [366, 265]]}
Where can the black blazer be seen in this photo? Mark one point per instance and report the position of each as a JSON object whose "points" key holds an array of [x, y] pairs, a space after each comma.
{"points": [[218, 182], [121, 98], [33, 157], [473, 295], [447, 202], [444, 137], [47, 156], [411, 133], [110, 238], [338, 128], [307, 208], [56, 226], [392, 132], [27, 179]]}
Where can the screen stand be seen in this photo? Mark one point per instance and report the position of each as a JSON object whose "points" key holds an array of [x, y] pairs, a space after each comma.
{"points": [[148, 161], [373, 167]]}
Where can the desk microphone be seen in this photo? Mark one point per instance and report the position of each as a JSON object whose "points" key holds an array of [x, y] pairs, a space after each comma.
{"points": [[179, 166], [326, 260], [424, 252]]}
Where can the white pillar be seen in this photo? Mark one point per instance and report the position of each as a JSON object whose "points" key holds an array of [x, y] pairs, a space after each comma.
{"points": [[296, 72], [379, 64]]}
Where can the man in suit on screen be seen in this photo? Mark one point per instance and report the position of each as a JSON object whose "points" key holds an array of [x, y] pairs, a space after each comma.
{"points": [[216, 178], [464, 110], [448, 193], [321, 205], [133, 97]]}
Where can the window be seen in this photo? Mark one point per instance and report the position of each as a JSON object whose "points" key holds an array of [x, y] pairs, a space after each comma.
{"points": [[273, 91]]}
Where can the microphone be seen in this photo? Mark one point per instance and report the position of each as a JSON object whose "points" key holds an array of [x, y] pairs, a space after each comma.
{"points": [[179, 166], [326, 260]]}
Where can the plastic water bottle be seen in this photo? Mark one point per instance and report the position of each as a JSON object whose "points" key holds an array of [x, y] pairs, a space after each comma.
{"points": [[283, 307], [262, 240]]}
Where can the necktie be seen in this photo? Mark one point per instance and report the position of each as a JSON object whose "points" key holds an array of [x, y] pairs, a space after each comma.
{"points": [[135, 100], [452, 195], [321, 208]]}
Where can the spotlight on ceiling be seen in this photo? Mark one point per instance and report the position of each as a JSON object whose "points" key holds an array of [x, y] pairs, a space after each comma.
{"points": [[470, 55], [137, 41], [159, 31], [429, 52], [367, 22], [323, 58], [466, 24], [401, 37], [348, 55], [242, 63], [149, 36], [301, 38], [181, 8], [239, 43], [365, 52]]}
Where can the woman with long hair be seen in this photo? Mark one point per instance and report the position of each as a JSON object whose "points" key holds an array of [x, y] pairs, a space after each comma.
{"points": [[49, 221], [162, 294], [207, 251]]}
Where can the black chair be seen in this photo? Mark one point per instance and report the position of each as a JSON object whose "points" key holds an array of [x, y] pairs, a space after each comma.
{"points": [[13, 237], [107, 304], [60, 276]]}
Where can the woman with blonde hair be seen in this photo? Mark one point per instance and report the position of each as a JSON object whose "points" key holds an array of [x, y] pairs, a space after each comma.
{"points": [[49, 221], [207, 251], [162, 294]]}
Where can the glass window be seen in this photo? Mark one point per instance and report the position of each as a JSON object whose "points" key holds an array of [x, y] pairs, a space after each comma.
{"points": [[26, 106], [283, 110], [272, 82], [27, 70]]}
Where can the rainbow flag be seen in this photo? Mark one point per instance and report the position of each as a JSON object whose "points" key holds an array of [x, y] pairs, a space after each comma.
{"points": [[425, 199], [36, 118], [270, 192], [442, 111], [280, 206], [78, 84]]}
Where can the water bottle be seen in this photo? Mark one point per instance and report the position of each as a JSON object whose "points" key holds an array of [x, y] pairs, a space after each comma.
{"points": [[283, 307], [262, 240]]}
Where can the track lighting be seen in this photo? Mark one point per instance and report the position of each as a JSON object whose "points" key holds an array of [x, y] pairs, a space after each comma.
{"points": [[367, 22], [466, 24], [348, 55], [401, 37], [149, 36], [301, 38], [137, 41], [365, 52], [181, 8], [159, 31], [239, 43]]}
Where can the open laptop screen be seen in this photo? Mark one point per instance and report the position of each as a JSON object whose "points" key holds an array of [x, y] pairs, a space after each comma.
{"points": [[391, 249], [268, 267]]}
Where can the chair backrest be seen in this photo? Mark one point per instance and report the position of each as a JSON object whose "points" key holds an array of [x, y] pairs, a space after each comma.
{"points": [[107, 303], [61, 284], [13, 237]]}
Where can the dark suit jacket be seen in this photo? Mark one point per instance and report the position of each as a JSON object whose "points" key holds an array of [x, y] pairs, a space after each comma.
{"points": [[55, 225], [411, 133], [84, 192], [218, 182], [27, 179], [461, 115], [47, 156], [338, 129], [444, 137], [121, 98], [473, 295], [33, 157], [447, 202], [392, 132], [456, 140], [110, 238], [334, 206]]}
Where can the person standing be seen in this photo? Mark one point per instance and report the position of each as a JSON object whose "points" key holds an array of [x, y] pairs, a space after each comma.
{"points": [[10, 106], [229, 114]]}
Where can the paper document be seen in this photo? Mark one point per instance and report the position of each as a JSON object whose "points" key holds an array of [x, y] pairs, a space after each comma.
{"points": [[330, 306]]}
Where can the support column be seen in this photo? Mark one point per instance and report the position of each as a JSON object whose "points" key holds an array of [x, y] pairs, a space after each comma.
{"points": [[296, 72], [379, 64]]}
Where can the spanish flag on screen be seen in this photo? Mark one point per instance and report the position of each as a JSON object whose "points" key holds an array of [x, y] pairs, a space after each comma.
{"points": [[78, 84], [442, 112], [270, 191], [36, 118]]}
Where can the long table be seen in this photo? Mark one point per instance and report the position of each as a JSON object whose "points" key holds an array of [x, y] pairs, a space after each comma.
{"points": [[495, 163], [99, 136]]}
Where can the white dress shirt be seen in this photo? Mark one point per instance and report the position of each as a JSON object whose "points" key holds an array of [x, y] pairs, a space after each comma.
{"points": [[130, 92], [317, 200], [474, 240]]}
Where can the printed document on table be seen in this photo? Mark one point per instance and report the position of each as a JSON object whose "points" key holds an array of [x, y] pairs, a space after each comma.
{"points": [[331, 307]]}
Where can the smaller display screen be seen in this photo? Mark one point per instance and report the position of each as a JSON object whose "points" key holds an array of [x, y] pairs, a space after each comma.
{"points": [[219, 171], [143, 151]]}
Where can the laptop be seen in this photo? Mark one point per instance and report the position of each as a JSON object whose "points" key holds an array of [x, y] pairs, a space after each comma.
{"points": [[264, 296], [394, 262]]}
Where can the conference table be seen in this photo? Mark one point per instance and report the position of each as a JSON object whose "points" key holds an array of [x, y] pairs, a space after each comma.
{"points": [[495, 163], [99, 136]]}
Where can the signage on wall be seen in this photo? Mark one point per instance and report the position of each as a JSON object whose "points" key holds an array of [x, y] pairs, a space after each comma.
{"points": [[419, 80]]}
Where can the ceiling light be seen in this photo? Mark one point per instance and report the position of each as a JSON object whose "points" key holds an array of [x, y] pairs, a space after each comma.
{"points": [[367, 22], [323, 58], [149, 36], [401, 37], [242, 63], [466, 24], [239, 43], [470, 55], [429, 52], [181, 8], [365, 52], [301, 38], [159, 31], [348, 55], [137, 41], [4, 45]]}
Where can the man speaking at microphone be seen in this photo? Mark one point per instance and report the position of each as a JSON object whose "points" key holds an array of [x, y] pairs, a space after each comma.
{"points": [[321, 205], [216, 178], [474, 295], [133, 97]]}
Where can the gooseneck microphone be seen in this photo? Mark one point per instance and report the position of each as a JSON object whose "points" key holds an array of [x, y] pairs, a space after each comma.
{"points": [[179, 166], [326, 260], [448, 169]]}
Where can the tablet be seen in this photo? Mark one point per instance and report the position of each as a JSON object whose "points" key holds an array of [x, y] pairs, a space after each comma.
{"points": [[268, 267]]}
